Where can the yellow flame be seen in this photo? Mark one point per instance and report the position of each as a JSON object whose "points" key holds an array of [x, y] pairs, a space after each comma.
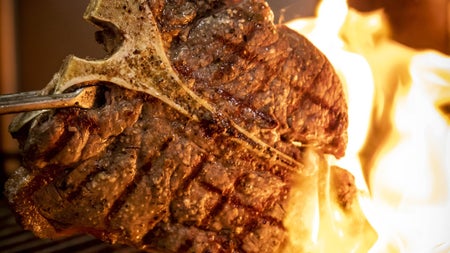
{"points": [[410, 184], [399, 138]]}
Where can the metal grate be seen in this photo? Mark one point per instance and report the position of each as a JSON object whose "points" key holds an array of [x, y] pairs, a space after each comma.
{"points": [[14, 239]]}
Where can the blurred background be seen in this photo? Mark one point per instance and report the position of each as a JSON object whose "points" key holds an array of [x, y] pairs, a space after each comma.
{"points": [[36, 36]]}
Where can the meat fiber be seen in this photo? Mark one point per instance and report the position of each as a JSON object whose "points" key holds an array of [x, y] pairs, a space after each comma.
{"points": [[213, 124]]}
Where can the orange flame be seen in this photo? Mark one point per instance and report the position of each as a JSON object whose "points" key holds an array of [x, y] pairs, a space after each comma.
{"points": [[399, 138]]}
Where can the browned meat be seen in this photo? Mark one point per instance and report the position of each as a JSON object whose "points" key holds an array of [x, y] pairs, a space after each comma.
{"points": [[139, 171], [263, 76]]}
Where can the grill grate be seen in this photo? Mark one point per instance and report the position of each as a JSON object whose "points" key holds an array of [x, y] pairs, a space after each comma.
{"points": [[14, 239]]}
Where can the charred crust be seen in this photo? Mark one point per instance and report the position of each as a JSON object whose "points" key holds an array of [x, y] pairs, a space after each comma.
{"points": [[214, 178]]}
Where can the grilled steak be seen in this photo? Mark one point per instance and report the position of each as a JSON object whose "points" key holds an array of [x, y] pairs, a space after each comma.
{"points": [[212, 130]]}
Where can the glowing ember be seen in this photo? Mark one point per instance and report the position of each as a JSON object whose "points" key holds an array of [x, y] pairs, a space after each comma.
{"points": [[399, 131]]}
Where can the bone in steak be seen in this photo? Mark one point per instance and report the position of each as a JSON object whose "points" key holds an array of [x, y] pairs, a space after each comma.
{"points": [[203, 140]]}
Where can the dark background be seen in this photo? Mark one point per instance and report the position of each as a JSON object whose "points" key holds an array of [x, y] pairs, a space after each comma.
{"points": [[49, 30]]}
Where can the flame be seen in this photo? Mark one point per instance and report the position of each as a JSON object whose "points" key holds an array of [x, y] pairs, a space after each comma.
{"points": [[410, 182], [399, 129]]}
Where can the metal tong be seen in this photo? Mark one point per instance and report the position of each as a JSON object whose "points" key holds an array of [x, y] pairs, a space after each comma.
{"points": [[84, 97]]}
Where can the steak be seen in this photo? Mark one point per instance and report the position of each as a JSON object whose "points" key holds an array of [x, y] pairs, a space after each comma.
{"points": [[211, 133]]}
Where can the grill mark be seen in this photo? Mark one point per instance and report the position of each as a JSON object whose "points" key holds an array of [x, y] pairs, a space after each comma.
{"points": [[239, 51], [75, 193], [127, 191], [305, 91], [135, 181], [183, 186], [197, 169], [337, 115], [233, 51], [47, 176], [262, 119], [147, 239], [335, 122], [257, 216], [211, 188], [227, 197], [72, 119], [59, 145], [307, 94], [218, 207], [98, 169], [61, 184], [185, 246], [165, 144]]}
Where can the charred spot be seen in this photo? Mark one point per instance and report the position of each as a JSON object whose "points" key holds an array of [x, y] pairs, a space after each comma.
{"points": [[231, 131], [148, 238], [210, 127], [336, 122], [63, 185], [186, 246], [284, 137], [75, 193], [196, 170], [252, 225], [165, 144]]}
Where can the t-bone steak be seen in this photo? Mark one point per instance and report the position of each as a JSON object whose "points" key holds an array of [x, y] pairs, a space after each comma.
{"points": [[212, 133]]}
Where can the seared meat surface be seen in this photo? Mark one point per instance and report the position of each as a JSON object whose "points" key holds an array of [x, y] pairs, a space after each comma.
{"points": [[263, 76], [216, 175], [135, 170]]}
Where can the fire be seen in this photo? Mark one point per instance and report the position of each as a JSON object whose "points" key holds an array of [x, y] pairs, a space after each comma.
{"points": [[417, 205], [399, 126]]}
